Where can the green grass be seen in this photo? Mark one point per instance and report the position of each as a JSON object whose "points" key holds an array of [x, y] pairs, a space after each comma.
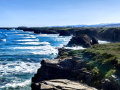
{"points": [[104, 60]]}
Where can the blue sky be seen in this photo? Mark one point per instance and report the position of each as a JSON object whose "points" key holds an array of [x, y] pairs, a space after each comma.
{"points": [[38, 13]]}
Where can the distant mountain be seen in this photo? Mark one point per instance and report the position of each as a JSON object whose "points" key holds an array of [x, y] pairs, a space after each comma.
{"points": [[99, 25]]}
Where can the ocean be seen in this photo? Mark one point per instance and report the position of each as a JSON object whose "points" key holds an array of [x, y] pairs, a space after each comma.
{"points": [[20, 56], [21, 53]]}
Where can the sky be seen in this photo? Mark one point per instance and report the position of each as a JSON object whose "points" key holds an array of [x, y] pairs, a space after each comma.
{"points": [[40, 13]]}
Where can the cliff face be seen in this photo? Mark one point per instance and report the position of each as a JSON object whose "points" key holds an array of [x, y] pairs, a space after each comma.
{"points": [[67, 68], [82, 40], [111, 34]]}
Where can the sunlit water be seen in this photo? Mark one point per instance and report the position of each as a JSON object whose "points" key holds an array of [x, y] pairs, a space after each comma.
{"points": [[20, 56], [21, 53]]}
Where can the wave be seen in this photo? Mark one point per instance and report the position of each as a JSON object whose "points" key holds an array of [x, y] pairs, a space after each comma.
{"points": [[35, 43], [3, 40], [102, 42], [47, 35], [75, 48], [16, 85], [28, 40], [18, 67]]}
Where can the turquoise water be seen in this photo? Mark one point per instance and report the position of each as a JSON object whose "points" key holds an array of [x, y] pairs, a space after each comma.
{"points": [[20, 56]]}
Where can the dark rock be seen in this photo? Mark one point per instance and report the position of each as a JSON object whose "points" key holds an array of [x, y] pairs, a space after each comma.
{"points": [[67, 68], [94, 40], [82, 40], [64, 33], [111, 34], [108, 85], [62, 51]]}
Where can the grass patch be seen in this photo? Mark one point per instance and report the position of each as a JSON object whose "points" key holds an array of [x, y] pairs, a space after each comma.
{"points": [[104, 60]]}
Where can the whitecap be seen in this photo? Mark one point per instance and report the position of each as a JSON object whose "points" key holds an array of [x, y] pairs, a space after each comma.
{"points": [[47, 47], [28, 40], [15, 85], [47, 35], [75, 48], [4, 40], [18, 67], [102, 42], [34, 43]]}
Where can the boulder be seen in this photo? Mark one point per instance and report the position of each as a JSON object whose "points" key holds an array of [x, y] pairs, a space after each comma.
{"points": [[94, 40], [82, 40], [64, 33]]}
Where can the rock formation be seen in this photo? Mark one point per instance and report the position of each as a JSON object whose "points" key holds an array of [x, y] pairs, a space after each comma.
{"points": [[67, 68], [111, 83], [82, 40], [111, 34], [64, 33], [94, 40]]}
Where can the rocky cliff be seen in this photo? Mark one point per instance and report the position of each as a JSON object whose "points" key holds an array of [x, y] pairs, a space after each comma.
{"points": [[62, 74], [109, 34]]}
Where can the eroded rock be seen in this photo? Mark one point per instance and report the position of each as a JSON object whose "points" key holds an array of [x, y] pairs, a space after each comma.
{"points": [[82, 40], [66, 68]]}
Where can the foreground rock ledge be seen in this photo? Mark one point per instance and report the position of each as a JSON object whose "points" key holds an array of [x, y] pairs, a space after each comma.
{"points": [[53, 74], [63, 84]]}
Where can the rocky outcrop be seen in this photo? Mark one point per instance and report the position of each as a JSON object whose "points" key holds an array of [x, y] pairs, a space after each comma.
{"points": [[82, 40], [62, 51], [45, 32], [63, 84], [110, 34], [64, 33], [111, 83], [67, 68], [94, 40]]}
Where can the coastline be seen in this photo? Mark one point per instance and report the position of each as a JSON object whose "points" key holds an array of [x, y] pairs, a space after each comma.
{"points": [[75, 65], [71, 56]]}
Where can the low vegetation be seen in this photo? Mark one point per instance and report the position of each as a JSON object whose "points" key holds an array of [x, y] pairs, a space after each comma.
{"points": [[102, 59]]}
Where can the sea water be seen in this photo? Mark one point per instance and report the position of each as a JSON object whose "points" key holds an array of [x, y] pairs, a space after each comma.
{"points": [[21, 53]]}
